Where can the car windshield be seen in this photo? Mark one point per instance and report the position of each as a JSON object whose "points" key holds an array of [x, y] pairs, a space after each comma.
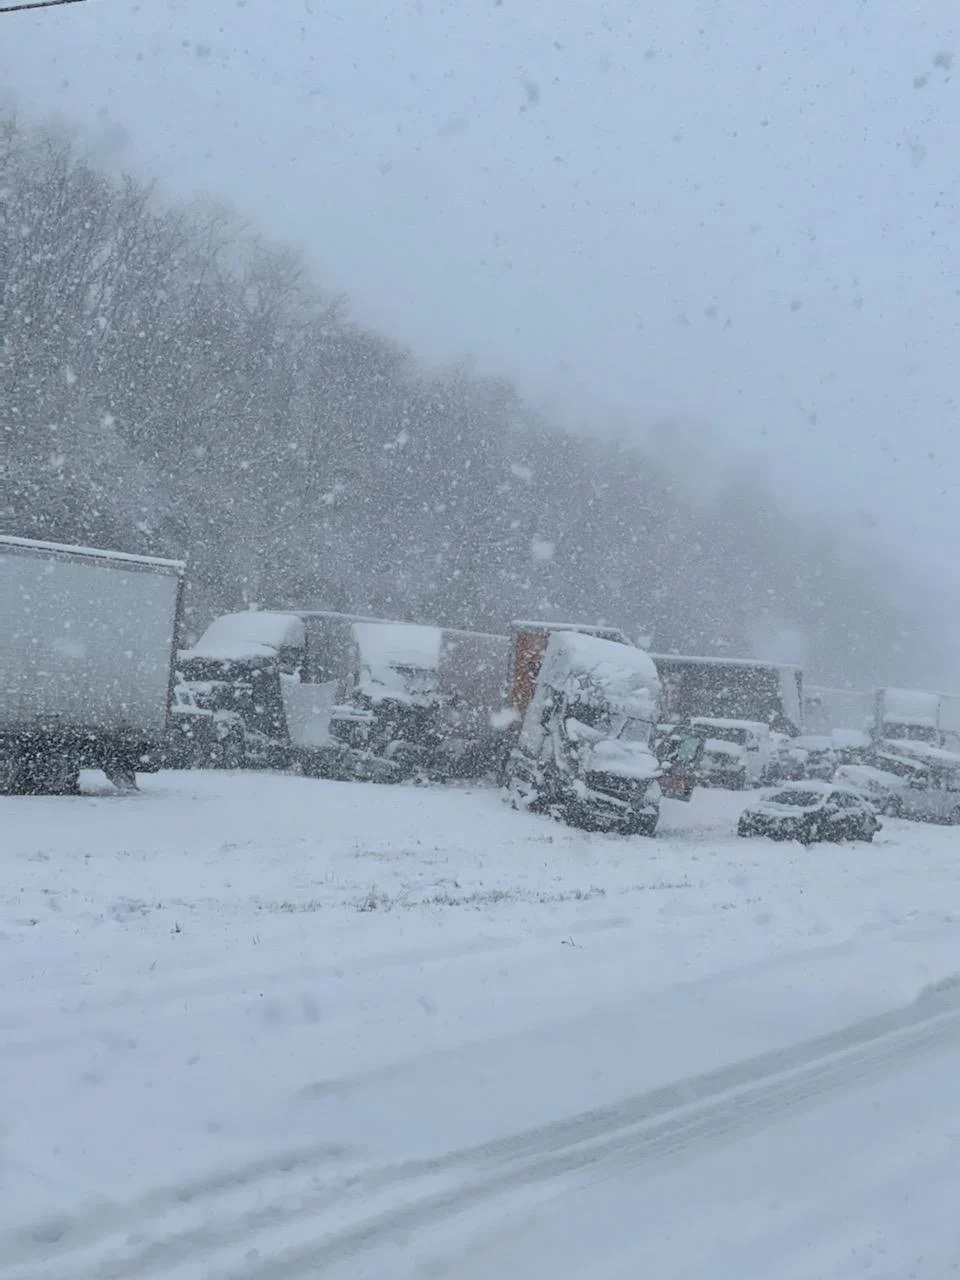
{"points": [[902, 768], [796, 799]]}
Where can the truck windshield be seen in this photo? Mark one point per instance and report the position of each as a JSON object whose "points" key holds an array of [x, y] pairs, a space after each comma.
{"points": [[725, 733], [591, 715], [635, 731], [419, 682]]}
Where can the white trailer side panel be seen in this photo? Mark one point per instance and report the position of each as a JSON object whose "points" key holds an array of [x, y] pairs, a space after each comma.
{"points": [[86, 641], [828, 709]]}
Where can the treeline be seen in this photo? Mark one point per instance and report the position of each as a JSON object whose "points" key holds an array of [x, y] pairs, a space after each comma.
{"points": [[170, 384]]}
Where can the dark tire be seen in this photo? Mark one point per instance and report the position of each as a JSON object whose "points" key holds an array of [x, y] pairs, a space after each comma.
{"points": [[124, 779], [13, 781], [49, 776], [575, 815], [232, 751]]}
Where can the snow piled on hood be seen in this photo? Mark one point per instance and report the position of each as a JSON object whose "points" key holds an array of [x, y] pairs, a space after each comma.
{"points": [[624, 759]]}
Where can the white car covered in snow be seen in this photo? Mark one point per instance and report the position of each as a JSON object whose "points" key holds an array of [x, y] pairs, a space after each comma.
{"points": [[809, 811], [932, 777], [882, 787]]}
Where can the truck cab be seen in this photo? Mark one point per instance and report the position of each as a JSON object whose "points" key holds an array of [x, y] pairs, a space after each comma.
{"points": [[736, 752], [584, 752]]}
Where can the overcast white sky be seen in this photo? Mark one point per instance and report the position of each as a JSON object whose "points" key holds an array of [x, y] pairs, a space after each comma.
{"points": [[737, 213]]}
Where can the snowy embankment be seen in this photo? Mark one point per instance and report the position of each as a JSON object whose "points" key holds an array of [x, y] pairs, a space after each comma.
{"points": [[234, 1004]]}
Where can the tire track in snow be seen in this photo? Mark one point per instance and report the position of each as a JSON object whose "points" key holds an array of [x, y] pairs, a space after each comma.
{"points": [[641, 1146], [347, 1215]]}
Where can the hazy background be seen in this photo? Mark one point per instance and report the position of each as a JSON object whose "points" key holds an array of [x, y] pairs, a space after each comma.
{"points": [[735, 218]]}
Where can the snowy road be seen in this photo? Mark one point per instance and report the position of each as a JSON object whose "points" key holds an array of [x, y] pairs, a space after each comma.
{"points": [[258, 1026]]}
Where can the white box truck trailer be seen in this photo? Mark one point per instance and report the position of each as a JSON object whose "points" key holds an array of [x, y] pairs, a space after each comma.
{"points": [[87, 647]]}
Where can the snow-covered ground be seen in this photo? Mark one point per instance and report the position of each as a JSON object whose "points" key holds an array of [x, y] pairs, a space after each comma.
{"points": [[264, 1026]]}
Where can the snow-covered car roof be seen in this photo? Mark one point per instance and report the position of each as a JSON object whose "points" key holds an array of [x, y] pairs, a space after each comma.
{"points": [[921, 751], [255, 633], [816, 785], [869, 773]]}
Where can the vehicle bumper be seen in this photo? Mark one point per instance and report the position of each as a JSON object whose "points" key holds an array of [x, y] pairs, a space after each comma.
{"points": [[606, 812], [772, 829]]}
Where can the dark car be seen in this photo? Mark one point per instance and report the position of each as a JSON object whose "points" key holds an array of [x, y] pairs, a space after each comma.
{"points": [[809, 811]]}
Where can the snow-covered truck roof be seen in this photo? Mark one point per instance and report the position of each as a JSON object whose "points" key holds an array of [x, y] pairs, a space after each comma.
{"points": [[398, 644], [94, 553], [255, 633], [334, 615], [574, 660], [613, 634], [688, 659]]}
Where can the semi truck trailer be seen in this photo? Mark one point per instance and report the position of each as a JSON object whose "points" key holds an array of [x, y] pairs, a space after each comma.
{"points": [[87, 647]]}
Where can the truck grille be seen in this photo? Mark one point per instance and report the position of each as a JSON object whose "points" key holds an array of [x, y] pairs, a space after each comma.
{"points": [[626, 789]]}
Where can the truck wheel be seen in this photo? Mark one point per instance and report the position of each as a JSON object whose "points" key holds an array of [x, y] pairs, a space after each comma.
{"points": [[49, 776], [123, 777], [13, 780], [230, 755]]}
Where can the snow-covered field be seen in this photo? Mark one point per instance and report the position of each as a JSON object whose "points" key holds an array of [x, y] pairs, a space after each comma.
{"points": [[264, 1026]]}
